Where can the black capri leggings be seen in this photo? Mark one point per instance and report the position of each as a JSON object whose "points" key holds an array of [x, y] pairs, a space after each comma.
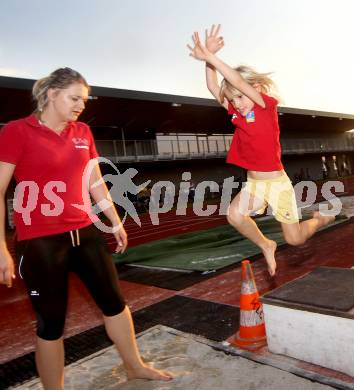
{"points": [[44, 265]]}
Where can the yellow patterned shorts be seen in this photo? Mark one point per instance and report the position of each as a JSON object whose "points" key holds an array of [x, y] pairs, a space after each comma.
{"points": [[277, 193]]}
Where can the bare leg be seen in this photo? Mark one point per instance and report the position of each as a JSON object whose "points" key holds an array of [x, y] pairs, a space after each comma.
{"points": [[309, 228], [299, 233], [120, 329], [50, 363], [239, 218]]}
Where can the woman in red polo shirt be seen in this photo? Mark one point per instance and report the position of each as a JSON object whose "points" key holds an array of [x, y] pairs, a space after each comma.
{"points": [[47, 153], [244, 93]]}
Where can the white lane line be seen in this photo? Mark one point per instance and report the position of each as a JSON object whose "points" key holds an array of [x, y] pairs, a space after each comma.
{"points": [[162, 224], [158, 228], [160, 268], [111, 240], [172, 219]]}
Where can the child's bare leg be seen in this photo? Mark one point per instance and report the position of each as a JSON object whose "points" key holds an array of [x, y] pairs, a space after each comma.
{"points": [[299, 233], [239, 218]]}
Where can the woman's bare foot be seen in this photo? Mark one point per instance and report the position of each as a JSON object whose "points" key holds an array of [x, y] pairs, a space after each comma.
{"points": [[323, 219], [146, 372], [268, 252]]}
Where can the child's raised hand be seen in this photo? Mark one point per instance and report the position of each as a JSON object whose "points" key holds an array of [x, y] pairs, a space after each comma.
{"points": [[199, 51], [213, 41]]}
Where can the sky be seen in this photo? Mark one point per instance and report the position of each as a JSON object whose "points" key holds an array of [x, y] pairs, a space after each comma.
{"points": [[141, 44]]}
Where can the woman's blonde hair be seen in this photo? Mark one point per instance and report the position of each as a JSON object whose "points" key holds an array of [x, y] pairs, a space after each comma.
{"points": [[252, 77], [61, 78]]}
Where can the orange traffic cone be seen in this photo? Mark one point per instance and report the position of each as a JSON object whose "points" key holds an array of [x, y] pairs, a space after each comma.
{"points": [[251, 334]]}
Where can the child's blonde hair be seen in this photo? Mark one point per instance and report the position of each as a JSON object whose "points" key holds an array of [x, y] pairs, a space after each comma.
{"points": [[252, 77]]}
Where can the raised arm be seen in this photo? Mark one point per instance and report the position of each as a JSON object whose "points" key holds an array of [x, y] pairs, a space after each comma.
{"points": [[213, 42], [201, 52], [7, 269], [236, 80]]}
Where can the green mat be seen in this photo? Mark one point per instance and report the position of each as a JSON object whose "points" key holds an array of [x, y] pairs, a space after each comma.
{"points": [[204, 250]]}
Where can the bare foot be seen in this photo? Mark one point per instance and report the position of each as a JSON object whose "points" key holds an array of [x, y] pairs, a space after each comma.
{"points": [[146, 372], [323, 219], [269, 251]]}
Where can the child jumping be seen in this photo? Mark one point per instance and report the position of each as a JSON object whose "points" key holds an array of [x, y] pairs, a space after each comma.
{"points": [[245, 94]]}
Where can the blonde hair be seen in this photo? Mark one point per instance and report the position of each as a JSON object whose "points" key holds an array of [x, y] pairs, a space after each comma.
{"points": [[252, 77], [61, 78]]}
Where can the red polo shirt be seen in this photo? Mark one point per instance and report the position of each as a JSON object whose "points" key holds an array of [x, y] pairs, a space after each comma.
{"points": [[49, 169], [255, 145]]}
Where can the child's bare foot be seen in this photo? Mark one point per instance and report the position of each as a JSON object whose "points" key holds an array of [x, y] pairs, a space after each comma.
{"points": [[268, 252], [323, 219], [146, 372]]}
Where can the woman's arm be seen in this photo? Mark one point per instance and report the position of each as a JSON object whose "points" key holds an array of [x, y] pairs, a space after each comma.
{"points": [[101, 194], [7, 268]]}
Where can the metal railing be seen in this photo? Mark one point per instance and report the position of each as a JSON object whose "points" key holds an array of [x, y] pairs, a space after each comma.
{"points": [[156, 150], [316, 145]]}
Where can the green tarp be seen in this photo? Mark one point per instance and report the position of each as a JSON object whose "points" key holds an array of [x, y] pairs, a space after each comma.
{"points": [[204, 250]]}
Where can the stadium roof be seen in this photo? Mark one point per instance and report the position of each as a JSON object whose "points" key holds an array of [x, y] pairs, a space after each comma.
{"points": [[137, 111]]}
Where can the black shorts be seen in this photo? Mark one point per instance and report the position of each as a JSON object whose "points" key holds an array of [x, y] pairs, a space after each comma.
{"points": [[45, 263]]}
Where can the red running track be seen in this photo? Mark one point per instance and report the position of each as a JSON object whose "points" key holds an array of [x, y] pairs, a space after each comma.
{"points": [[169, 225]]}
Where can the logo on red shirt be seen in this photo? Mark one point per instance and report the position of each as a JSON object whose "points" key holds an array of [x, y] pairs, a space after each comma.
{"points": [[80, 143], [250, 117]]}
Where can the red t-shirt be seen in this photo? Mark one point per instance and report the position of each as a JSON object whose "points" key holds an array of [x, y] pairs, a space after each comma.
{"points": [[49, 170], [255, 145]]}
